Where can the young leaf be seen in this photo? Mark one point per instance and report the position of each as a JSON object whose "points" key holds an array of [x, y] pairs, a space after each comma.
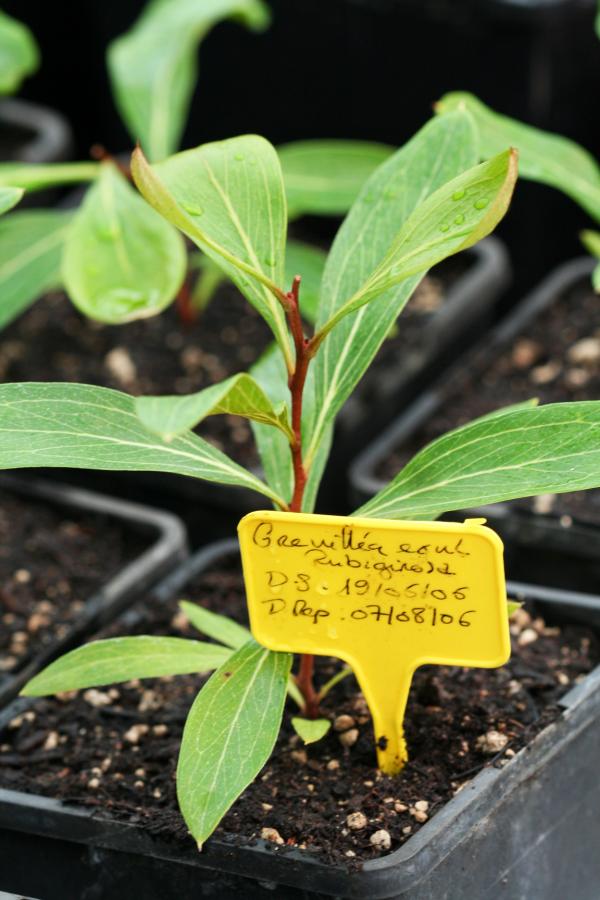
{"points": [[512, 606], [442, 149], [541, 450], [325, 177], [239, 395], [548, 158], [154, 67], [36, 177], [122, 261], [19, 54], [85, 427], [455, 217], [311, 730], [270, 373], [123, 658], [31, 246], [228, 198], [9, 197], [219, 628], [229, 734], [309, 262]]}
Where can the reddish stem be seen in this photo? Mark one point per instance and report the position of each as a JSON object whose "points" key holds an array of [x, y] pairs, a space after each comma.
{"points": [[101, 154], [185, 308], [296, 383]]}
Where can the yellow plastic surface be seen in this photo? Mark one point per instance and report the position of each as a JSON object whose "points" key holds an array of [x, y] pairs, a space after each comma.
{"points": [[384, 596]]}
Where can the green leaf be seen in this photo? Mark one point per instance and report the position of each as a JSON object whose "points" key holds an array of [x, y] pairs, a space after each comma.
{"points": [[544, 157], [311, 730], [85, 427], [541, 450], [228, 198], [325, 177], [122, 261], [442, 149], [31, 247], [124, 658], [9, 197], [229, 734], [596, 279], [512, 606], [154, 66], [19, 54], [455, 217], [239, 395], [598, 20], [591, 242], [36, 177], [215, 626], [512, 407], [309, 262]]}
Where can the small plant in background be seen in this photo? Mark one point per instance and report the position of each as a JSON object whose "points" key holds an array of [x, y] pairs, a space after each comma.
{"points": [[429, 200], [115, 258]]}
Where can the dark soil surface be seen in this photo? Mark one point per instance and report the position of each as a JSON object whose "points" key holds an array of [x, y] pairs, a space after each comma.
{"points": [[51, 562], [556, 358], [161, 355], [115, 749]]}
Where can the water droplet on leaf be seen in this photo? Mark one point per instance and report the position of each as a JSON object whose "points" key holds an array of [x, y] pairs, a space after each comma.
{"points": [[458, 195], [108, 232], [192, 209], [444, 227], [482, 203], [239, 156], [459, 219]]}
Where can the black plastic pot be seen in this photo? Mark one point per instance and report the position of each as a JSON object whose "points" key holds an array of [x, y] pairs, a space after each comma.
{"points": [[527, 830], [578, 541], [166, 545], [32, 133]]}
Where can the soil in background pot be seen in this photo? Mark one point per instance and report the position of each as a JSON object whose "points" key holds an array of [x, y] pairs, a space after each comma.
{"points": [[115, 748], [161, 355], [51, 561], [556, 358]]}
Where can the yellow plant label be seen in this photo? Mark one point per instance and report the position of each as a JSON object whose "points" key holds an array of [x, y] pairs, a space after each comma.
{"points": [[384, 596]]}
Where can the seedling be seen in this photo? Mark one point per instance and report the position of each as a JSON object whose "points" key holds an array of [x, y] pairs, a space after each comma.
{"points": [[429, 200]]}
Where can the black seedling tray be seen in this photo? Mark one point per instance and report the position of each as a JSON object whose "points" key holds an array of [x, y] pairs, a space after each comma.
{"points": [[494, 838], [166, 546]]}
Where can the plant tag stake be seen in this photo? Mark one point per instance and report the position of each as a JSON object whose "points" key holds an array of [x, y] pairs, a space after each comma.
{"points": [[384, 596]]}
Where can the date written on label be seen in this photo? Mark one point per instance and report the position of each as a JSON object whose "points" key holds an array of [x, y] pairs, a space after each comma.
{"points": [[379, 612]]}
